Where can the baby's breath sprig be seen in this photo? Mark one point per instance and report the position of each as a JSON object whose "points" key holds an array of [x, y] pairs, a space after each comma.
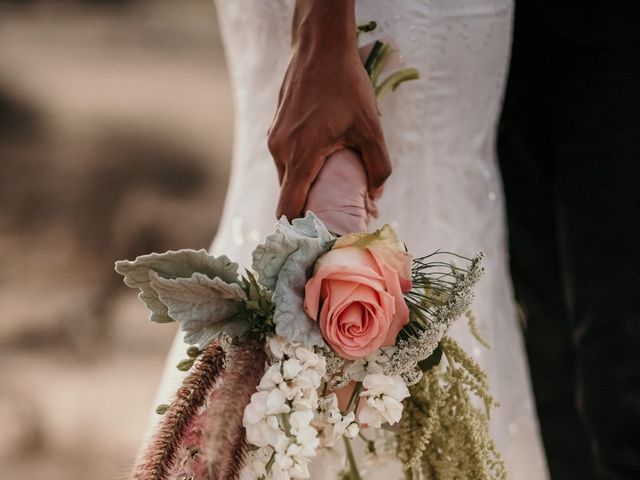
{"points": [[336, 374], [442, 292]]}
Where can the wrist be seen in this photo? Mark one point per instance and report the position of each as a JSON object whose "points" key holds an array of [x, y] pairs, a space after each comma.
{"points": [[324, 25]]}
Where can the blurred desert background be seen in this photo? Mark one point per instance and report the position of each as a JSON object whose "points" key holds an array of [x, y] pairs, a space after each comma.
{"points": [[115, 140]]}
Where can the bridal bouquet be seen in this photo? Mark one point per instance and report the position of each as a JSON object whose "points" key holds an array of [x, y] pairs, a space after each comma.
{"points": [[326, 339]]}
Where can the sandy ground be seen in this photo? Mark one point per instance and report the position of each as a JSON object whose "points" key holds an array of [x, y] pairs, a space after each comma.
{"points": [[115, 138]]}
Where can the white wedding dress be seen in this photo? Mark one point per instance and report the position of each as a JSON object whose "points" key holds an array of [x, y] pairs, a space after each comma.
{"points": [[445, 190]]}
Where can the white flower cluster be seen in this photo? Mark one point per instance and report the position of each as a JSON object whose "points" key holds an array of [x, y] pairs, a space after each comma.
{"points": [[332, 424], [287, 422], [278, 418], [384, 399]]}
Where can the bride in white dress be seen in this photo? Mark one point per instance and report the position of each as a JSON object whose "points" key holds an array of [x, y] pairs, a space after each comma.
{"points": [[445, 190]]}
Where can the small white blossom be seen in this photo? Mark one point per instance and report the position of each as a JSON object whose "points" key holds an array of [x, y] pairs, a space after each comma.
{"points": [[275, 347], [331, 422], [307, 379], [378, 385], [299, 420], [277, 402], [328, 403], [310, 359], [307, 400], [291, 368], [384, 397], [256, 462], [334, 416], [271, 379], [352, 430], [372, 363], [307, 439], [280, 346], [279, 471]]}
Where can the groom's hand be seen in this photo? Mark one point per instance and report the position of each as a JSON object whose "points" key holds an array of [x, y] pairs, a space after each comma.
{"points": [[326, 103]]}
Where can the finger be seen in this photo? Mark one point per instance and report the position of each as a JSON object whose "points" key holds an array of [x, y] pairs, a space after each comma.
{"points": [[293, 196], [296, 184], [275, 115], [281, 170], [278, 150], [280, 166], [281, 92], [273, 138], [375, 159]]}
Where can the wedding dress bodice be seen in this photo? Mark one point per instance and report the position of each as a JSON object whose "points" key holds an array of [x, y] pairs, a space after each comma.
{"points": [[445, 191]]}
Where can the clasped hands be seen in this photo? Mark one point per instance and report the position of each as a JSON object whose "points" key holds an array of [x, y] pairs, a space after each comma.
{"points": [[327, 105]]}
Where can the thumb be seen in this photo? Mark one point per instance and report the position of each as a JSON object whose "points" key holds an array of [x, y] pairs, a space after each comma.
{"points": [[296, 183], [376, 161]]}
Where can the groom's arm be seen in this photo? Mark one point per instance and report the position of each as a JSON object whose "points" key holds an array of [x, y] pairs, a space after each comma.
{"points": [[326, 103]]}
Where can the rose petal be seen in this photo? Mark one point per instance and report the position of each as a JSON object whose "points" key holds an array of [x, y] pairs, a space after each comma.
{"points": [[351, 256], [401, 262], [401, 316]]}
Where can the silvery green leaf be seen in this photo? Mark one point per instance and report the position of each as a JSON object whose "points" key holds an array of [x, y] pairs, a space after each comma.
{"points": [[173, 264], [289, 316], [201, 334], [203, 306], [282, 263], [307, 234]]}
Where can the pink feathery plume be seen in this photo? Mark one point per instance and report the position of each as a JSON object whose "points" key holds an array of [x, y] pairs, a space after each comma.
{"points": [[161, 453], [190, 462], [225, 443]]}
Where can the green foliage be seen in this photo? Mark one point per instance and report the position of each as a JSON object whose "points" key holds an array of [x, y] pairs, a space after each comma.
{"points": [[259, 309], [432, 360], [376, 62]]}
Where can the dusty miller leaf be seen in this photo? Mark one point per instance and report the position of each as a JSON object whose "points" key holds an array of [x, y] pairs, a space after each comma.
{"points": [[203, 306], [282, 263], [172, 264]]}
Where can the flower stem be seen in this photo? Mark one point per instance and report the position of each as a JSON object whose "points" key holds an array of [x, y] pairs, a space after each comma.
{"points": [[268, 466], [354, 474], [354, 397], [395, 79], [285, 423]]}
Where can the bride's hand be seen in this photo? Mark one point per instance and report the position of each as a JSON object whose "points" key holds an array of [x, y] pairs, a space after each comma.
{"points": [[339, 195], [326, 103]]}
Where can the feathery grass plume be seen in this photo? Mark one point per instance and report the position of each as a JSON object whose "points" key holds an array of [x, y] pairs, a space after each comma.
{"points": [[160, 456], [225, 443], [444, 436], [475, 330]]}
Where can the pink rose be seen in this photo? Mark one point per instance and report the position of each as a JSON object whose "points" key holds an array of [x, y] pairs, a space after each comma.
{"points": [[356, 292]]}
